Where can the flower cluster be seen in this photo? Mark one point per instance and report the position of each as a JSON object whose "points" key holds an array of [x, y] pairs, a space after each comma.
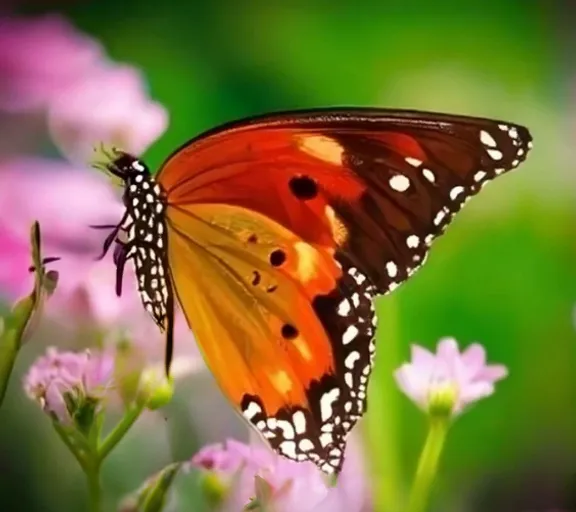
{"points": [[254, 476], [63, 383]]}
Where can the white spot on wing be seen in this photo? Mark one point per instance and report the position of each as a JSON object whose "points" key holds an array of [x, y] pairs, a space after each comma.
{"points": [[350, 334], [252, 410], [495, 154], [487, 139], [455, 192], [351, 359], [400, 183], [344, 307], [414, 162], [392, 269], [429, 175], [413, 241], [326, 402]]}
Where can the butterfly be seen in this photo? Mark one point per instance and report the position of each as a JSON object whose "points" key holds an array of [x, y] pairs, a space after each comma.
{"points": [[274, 234]]}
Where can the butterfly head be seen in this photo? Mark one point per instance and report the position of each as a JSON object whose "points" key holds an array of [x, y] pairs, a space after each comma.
{"points": [[119, 165], [125, 167]]}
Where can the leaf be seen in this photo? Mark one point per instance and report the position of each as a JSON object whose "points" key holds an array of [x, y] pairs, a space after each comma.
{"points": [[151, 497]]}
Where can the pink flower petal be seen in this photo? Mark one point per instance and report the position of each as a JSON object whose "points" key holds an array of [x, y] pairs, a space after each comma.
{"points": [[109, 106], [39, 58], [422, 357], [448, 350], [493, 372], [474, 357]]}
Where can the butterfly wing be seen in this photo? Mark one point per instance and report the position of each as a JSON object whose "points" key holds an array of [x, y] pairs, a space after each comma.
{"points": [[266, 309], [353, 198], [376, 185]]}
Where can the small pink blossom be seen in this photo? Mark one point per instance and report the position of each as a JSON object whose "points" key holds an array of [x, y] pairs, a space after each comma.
{"points": [[465, 376], [294, 485], [58, 379], [39, 58], [111, 106]]}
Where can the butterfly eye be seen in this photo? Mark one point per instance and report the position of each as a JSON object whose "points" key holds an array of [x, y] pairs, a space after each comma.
{"points": [[277, 257], [303, 187]]}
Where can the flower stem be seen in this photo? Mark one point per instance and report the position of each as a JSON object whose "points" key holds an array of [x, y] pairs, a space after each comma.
{"points": [[9, 346], [80, 458], [428, 465], [119, 431], [87, 459], [92, 472]]}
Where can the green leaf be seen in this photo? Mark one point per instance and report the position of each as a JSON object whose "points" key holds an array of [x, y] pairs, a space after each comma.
{"points": [[151, 497]]}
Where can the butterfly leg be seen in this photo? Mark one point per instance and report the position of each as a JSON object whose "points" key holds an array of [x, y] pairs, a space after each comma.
{"points": [[120, 257], [111, 237]]}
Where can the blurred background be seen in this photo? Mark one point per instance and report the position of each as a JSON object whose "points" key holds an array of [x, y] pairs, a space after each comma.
{"points": [[503, 275]]}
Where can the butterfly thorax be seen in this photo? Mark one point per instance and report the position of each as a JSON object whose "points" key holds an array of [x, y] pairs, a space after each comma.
{"points": [[141, 236]]}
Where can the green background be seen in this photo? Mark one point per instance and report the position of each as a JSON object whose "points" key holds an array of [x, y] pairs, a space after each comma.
{"points": [[503, 274]]}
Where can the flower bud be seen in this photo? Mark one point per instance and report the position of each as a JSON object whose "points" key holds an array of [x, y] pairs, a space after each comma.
{"points": [[155, 389]]}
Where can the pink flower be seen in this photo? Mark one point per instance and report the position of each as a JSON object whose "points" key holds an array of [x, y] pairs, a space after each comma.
{"points": [[15, 259], [39, 58], [448, 378], [63, 381], [66, 202], [294, 485], [110, 105]]}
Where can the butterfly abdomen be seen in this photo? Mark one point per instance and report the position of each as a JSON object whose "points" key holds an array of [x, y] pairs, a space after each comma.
{"points": [[146, 243]]}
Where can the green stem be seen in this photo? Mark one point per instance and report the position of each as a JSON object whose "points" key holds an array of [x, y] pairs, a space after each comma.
{"points": [[76, 452], [89, 463], [92, 472], [9, 346], [119, 431], [428, 465]]}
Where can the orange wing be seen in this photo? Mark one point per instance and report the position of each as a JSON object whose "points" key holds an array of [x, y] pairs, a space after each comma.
{"points": [[379, 185], [262, 304]]}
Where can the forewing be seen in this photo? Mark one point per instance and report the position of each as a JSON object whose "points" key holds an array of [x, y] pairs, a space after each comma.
{"points": [[376, 186]]}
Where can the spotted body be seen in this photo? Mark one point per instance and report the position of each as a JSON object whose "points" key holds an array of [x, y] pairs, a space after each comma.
{"points": [[276, 234], [143, 238]]}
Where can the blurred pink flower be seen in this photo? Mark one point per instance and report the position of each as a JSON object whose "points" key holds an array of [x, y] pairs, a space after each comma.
{"points": [[15, 259], [110, 105], [39, 58], [66, 202], [464, 376], [294, 485], [59, 379]]}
